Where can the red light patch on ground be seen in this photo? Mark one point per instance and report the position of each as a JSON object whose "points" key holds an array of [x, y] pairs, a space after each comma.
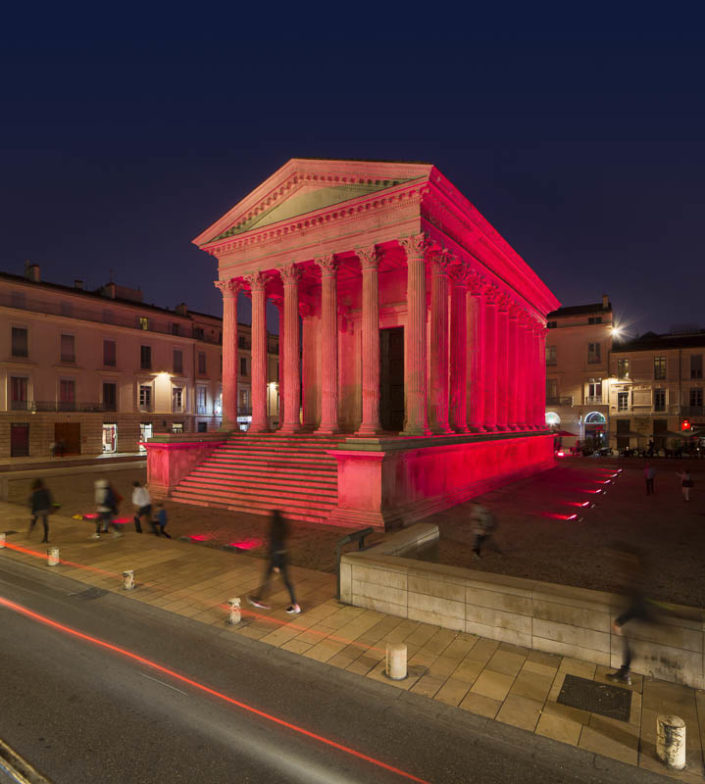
{"points": [[246, 544]]}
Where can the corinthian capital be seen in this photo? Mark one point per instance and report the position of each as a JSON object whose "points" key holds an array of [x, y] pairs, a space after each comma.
{"points": [[328, 265], [256, 281], [369, 257], [416, 245], [290, 273], [228, 288]]}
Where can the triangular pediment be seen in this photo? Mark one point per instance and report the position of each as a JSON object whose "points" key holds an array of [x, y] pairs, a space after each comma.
{"points": [[305, 186]]}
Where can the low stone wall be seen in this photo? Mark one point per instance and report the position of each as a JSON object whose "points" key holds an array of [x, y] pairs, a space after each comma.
{"points": [[171, 457], [554, 618]]}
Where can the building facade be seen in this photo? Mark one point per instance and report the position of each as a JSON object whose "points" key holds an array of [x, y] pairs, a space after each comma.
{"points": [[100, 372], [578, 347]]}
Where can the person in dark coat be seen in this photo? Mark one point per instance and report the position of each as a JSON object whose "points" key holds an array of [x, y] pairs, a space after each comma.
{"points": [[40, 503], [277, 564]]}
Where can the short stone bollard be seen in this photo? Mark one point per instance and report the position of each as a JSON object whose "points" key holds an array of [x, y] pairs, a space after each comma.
{"points": [[670, 741], [128, 579], [234, 614], [53, 556], [2, 541], [396, 661]]}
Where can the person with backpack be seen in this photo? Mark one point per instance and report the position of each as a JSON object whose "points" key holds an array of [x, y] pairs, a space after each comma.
{"points": [[107, 501], [40, 502]]}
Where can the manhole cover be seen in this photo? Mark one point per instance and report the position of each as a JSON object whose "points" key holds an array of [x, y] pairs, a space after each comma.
{"points": [[90, 593], [611, 701]]}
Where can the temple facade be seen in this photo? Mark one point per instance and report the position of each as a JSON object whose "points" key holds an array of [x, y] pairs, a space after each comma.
{"points": [[411, 333]]}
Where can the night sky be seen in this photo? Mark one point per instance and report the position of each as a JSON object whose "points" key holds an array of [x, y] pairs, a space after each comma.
{"points": [[580, 138]]}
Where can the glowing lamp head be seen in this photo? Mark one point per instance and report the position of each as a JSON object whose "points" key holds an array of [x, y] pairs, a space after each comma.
{"points": [[616, 331]]}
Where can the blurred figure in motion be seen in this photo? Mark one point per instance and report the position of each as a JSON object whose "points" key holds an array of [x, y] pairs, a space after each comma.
{"points": [[40, 503], [106, 501], [639, 607], [686, 483], [278, 563], [484, 525], [142, 501], [159, 522]]}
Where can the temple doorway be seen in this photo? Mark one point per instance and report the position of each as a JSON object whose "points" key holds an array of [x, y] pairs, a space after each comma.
{"points": [[391, 379]]}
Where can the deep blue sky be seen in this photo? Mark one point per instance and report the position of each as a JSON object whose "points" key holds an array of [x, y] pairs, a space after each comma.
{"points": [[581, 138]]}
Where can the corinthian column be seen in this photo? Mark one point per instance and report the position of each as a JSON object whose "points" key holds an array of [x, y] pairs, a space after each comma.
{"points": [[513, 372], [490, 352], [476, 305], [502, 364], [415, 337], [229, 289], [540, 419], [440, 262], [329, 347], [369, 263], [292, 381], [278, 302], [458, 350], [525, 373], [257, 283]]}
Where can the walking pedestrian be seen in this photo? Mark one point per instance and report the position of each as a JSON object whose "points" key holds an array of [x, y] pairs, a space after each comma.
{"points": [[159, 523], [277, 564], [649, 474], [483, 527], [686, 483], [107, 501], [142, 501], [40, 503]]}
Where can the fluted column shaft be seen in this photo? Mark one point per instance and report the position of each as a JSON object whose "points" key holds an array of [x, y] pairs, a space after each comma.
{"points": [[259, 353], [369, 263], [438, 392], [229, 289], [329, 346], [292, 380], [476, 322], [415, 337], [502, 367], [489, 369], [526, 378], [540, 417], [458, 352], [513, 373], [279, 304]]}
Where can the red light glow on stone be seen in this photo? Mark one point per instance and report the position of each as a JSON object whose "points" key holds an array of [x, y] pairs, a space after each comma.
{"points": [[246, 544]]}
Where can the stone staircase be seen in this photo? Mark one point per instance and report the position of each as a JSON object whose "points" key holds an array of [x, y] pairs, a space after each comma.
{"points": [[257, 473]]}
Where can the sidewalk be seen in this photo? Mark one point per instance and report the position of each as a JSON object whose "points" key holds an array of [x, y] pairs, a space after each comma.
{"points": [[503, 682]]}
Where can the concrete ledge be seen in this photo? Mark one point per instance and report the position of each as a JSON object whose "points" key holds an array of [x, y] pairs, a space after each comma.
{"points": [[559, 619]]}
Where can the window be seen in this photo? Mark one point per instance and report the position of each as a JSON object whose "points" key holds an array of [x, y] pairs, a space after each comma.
{"points": [[18, 393], [696, 365], [552, 324], [243, 401], [659, 368], [201, 400], [696, 397], [143, 322], [109, 397], [622, 368], [594, 391], [109, 353], [175, 329], [218, 404], [593, 353], [203, 427], [659, 399], [622, 401], [550, 355], [68, 348], [177, 400], [243, 342], [67, 394], [19, 342], [243, 366], [595, 320], [551, 391], [178, 362], [177, 427], [146, 357], [198, 333], [145, 397]]}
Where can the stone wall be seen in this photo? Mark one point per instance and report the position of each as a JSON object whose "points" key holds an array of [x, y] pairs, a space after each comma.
{"points": [[558, 619]]}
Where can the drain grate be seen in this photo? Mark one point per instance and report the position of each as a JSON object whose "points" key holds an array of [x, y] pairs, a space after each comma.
{"points": [[89, 593], [611, 701]]}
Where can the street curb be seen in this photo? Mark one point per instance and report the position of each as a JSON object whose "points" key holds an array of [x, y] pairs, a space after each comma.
{"points": [[18, 768]]}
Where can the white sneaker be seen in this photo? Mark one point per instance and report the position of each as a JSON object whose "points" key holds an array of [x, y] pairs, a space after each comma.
{"points": [[95, 536], [293, 609]]}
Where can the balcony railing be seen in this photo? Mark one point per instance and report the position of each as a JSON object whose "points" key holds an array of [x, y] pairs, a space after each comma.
{"points": [[593, 400], [63, 405], [21, 405], [559, 401]]}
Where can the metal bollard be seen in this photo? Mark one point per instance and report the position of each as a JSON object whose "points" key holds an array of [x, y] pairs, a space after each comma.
{"points": [[128, 579], [234, 615], [2, 541], [670, 741], [396, 661], [53, 556]]}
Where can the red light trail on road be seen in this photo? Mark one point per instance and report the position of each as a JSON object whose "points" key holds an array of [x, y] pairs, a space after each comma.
{"points": [[20, 609]]}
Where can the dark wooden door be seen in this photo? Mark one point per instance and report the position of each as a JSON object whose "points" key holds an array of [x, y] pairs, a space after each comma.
{"points": [[19, 440], [68, 435], [391, 379]]}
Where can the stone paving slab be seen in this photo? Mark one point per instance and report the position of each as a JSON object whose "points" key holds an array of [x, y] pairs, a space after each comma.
{"points": [[499, 681]]}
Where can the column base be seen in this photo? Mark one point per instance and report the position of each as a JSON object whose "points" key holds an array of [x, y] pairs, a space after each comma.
{"points": [[419, 432], [326, 431], [287, 429], [368, 430], [257, 428]]}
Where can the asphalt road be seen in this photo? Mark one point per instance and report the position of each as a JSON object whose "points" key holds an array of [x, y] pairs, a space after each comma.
{"points": [[82, 713]]}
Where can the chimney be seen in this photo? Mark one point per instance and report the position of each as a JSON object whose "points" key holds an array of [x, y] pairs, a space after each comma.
{"points": [[181, 309], [78, 284], [108, 290], [605, 302], [32, 272]]}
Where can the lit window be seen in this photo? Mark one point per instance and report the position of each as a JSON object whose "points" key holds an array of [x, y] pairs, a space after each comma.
{"points": [[145, 397], [622, 368], [659, 368], [143, 322], [622, 401]]}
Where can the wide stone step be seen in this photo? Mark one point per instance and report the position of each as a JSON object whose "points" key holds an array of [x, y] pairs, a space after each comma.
{"points": [[276, 453], [274, 456], [272, 500], [248, 508], [246, 474], [284, 490], [269, 465]]}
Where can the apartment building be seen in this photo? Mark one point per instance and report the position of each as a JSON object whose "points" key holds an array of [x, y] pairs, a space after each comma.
{"points": [[578, 345], [100, 371], [657, 390]]}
